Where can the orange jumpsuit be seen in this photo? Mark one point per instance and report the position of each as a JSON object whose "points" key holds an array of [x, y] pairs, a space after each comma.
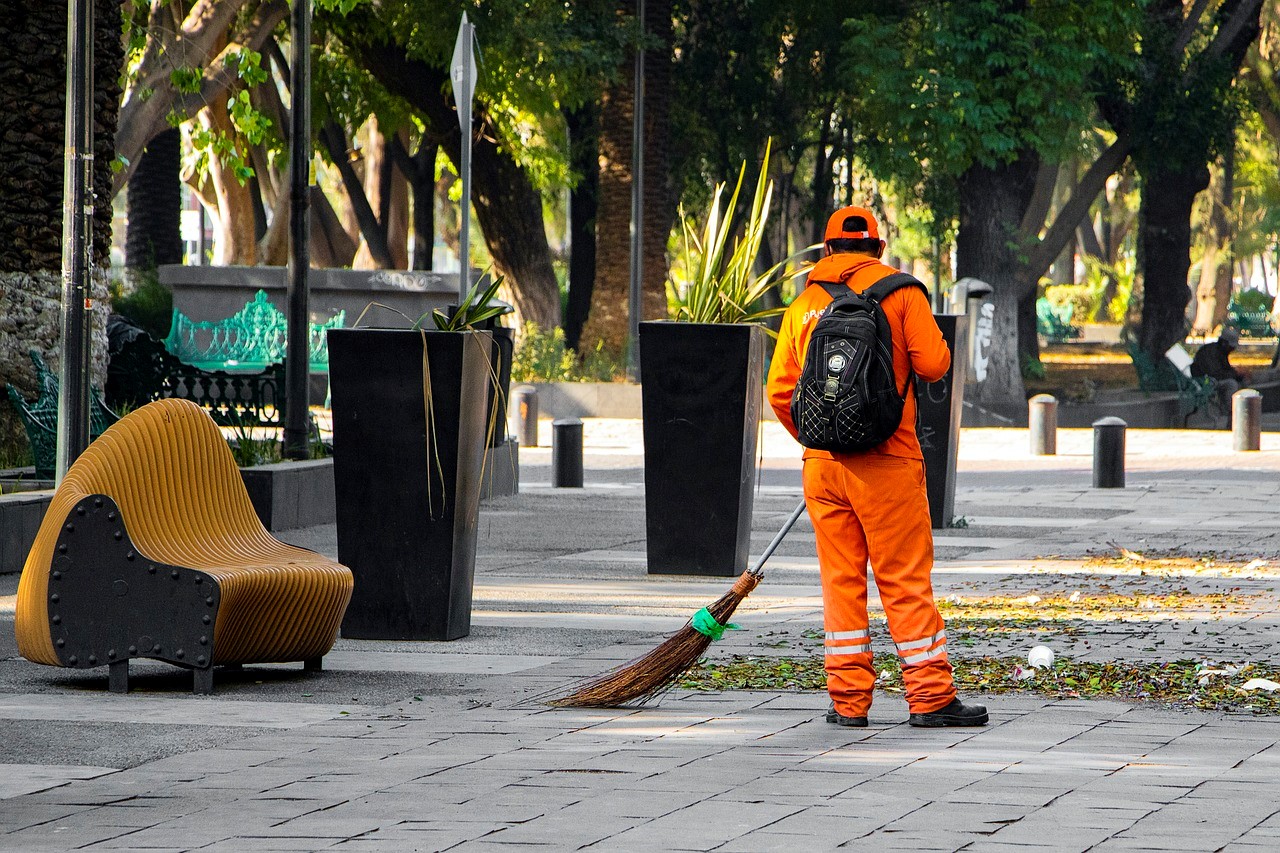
{"points": [[872, 505]]}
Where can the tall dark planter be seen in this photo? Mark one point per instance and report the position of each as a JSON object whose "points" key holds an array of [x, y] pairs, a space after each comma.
{"points": [[701, 396], [406, 516]]}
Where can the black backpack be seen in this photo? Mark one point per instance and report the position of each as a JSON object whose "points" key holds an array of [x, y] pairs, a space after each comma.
{"points": [[847, 399]]}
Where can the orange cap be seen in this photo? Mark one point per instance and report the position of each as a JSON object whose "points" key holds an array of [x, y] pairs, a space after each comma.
{"points": [[844, 224]]}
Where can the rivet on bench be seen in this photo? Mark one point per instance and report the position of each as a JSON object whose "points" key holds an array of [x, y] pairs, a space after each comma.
{"points": [[93, 660], [111, 654], [54, 598], [199, 579], [204, 641], [174, 574], [206, 618], [69, 527], [209, 601], [57, 576], [119, 535], [130, 555], [62, 549], [73, 660], [111, 516], [80, 510], [179, 654], [56, 619], [151, 570], [97, 501], [156, 649], [200, 660], [133, 650], [61, 643]]}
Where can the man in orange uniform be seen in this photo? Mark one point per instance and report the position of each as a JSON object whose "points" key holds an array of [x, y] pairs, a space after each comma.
{"points": [[873, 505]]}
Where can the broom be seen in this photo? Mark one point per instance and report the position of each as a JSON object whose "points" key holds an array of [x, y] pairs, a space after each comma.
{"points": [[647, 676]]}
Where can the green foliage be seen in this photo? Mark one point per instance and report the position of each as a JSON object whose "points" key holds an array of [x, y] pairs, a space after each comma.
{"points": [[940, 87], [252, 446], [477, 307], [149, 304], [1250, 301], [709, 283], [1032, 368], [1098, 274], [543, 357], [186, 79]]}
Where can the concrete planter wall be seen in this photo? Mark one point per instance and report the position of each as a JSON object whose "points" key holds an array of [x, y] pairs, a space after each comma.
{"points": [[598, 400], [214, 293], [20, 517], [292, 494]]}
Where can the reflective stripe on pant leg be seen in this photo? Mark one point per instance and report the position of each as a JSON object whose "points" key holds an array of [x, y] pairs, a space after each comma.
{"points": [[889, 496], [842, 558]]}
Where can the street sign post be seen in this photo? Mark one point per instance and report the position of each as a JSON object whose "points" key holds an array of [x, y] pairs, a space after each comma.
{"points": [[462, 71]]}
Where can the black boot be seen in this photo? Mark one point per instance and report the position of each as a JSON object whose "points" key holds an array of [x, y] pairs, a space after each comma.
{"points": [[955, 714], [836, 718]]}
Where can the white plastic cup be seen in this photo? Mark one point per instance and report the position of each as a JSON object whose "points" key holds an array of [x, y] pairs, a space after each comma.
{"points": [[1040, 657]]}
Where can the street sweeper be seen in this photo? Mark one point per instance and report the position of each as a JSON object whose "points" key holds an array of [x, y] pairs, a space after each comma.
{"points": [[842, 381]]}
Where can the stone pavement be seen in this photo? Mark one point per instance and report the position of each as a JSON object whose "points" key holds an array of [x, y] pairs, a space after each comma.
{"points": [[419, 746]]}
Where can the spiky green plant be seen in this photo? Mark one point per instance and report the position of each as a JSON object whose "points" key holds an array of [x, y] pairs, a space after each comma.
{"points": [[721, 285]]}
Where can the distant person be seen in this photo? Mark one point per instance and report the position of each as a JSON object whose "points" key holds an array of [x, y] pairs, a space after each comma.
{"points": [[1214, 361], [871, 504]]}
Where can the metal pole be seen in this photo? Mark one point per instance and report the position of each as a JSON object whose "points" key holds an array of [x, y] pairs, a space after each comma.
{"points": [[297, 360], [77, 239], [1108, 453], [464, 113], [566, 453], [1042, 422], [637, 209]]}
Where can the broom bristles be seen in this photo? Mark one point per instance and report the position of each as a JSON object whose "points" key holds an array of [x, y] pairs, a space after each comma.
{"points": [[653, 673]]}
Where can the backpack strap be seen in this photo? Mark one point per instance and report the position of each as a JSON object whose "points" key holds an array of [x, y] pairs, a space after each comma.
{"points": [[892, 282], [835, 289]]}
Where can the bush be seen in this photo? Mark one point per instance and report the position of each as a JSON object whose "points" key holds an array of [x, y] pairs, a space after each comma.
{"points": [[1251, 301], [149, 305], [1080, 297], [544, 357]]}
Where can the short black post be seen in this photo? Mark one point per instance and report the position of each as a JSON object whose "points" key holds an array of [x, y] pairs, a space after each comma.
{"points": [[566, 453], [1108, 453], [1246, 420], [524, 414], [1042, 418]]}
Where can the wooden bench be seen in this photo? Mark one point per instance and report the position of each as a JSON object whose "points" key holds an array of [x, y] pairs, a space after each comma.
{"points": [[151, 549]]}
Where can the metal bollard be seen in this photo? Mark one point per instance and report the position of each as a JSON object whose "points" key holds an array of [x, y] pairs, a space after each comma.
{"points": [[566, 453], [1042, 418], [524, 414], [1246, 420], [1108, 453]]}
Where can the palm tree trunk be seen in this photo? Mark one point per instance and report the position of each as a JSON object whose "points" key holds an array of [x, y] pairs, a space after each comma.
{"points": [[32, 122], [153, 201]]}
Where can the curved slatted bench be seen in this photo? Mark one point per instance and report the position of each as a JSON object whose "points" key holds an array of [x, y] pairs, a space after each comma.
{"points": [[151, 549]]}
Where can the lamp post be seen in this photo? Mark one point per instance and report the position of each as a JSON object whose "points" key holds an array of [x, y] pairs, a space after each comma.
{"points": [[637, 208], [77, 239], [298, 343]]}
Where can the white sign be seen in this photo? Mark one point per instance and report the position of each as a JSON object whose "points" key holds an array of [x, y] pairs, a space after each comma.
{"points": [[462, 71]]}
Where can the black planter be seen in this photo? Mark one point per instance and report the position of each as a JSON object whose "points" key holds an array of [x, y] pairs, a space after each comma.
{"points": [[701, 392], [407, 517]]}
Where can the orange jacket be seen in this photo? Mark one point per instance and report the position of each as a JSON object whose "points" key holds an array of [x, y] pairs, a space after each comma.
{"points": [[917, 342]]}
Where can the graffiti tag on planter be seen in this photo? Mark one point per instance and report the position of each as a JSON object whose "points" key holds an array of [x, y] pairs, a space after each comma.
{"points": [[982, 333]]}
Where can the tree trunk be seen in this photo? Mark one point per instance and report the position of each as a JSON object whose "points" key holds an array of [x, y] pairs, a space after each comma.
{"points": [[1213, 295], [608, 321], [507, 206], [388, 197], [153, 202], [418, 170], [1164, 253], [584, 148], [32, 146], [993, 202]]}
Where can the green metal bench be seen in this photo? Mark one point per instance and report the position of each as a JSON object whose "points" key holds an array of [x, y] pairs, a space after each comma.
{"points": [[144, 371], [40, 417], [250, 340], [1252, 324], [1054, 321], [1195, 394]]}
